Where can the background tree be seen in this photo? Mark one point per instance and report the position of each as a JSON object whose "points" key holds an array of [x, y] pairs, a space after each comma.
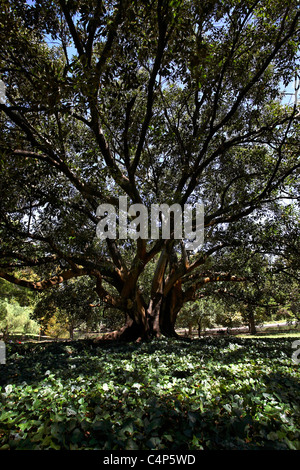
{"points": [[68, 307], [211, 311], [16, 306], [163, 102]]}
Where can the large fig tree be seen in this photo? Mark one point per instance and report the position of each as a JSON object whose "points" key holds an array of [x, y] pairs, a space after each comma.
{"points": [[161, 101]]}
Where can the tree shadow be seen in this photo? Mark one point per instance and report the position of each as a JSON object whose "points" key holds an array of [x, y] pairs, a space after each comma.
{"points": [[153, 422]]}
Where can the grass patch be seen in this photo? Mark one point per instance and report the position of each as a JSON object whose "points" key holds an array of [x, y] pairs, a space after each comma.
{"points": [[271, 335], [211, 393]]}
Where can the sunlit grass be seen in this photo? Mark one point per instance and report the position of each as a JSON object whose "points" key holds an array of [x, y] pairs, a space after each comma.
{"points": [[271, 335]]}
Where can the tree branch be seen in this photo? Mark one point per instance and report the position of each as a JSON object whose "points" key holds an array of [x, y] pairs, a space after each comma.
{"points": [[191, 292], [150, 97], [38, 261], [46, 283], [74, 34], [197, 168]]}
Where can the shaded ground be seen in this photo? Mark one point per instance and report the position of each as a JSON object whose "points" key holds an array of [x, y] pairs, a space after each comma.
{"points": [[211, 393]]}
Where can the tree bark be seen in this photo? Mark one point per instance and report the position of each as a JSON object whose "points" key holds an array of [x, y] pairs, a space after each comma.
{"points": [[71, 332], [171, 306], [252, 327], [159, 318]]}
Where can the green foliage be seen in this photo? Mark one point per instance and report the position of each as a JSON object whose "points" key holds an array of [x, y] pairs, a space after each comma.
{"points": [[208, 394], [11, 293], [16, 319], [68, 307], [208, 312], [16, 308]]}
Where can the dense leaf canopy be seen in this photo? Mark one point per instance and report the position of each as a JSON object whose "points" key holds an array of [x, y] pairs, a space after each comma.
{"points": [[169, 101]]}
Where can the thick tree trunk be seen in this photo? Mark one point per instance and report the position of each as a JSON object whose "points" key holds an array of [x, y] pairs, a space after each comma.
{"points": [[132, 331], [171, 306], [136, 324], [159, 316], [158, 319]]}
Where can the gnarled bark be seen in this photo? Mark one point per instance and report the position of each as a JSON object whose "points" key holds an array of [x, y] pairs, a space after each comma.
{"points": [[158, 319]]}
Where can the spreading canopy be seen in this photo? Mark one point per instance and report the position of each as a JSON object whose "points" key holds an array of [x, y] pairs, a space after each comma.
{"points": [[169, 101]]}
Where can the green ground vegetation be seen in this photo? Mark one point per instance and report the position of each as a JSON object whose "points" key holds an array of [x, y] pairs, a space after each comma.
{"points": [[209, 393]]}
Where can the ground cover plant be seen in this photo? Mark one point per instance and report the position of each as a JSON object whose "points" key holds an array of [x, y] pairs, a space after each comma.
{"points": [[210, 393]]}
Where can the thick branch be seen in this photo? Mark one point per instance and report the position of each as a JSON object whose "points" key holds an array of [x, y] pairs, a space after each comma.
{"points": [[24, 260], [158, 277], [185, 268], [191, 292], [74, 34], [150, 97], [198, 168], [46, 283], [84, 188]]}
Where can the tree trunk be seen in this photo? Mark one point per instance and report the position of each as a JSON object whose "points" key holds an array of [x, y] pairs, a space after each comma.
{"points": [[199, 327], [133, 330], [71, 332], [159, 318], [252, 327], [171, 306]]}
